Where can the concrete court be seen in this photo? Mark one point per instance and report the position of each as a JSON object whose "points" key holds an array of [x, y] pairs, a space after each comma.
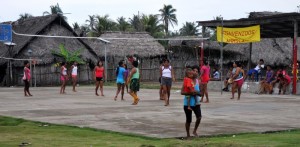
{"points": [[253, 113]]}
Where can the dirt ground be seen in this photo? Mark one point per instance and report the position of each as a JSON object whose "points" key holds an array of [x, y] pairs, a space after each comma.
{"points": [[253, 113]]}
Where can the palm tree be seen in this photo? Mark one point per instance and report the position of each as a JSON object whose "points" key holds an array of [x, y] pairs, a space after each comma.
{"points": [[123, 25], [189, 29], [55, 9], [24, 16], [136, 23], [76, 26], [151, 25], [103, 23], [84, 30], [168, 16], [91, 21]]}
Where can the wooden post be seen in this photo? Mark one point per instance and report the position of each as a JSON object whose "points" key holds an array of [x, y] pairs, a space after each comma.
{"points": [[295, 57], [202, 47], [250, 54]]}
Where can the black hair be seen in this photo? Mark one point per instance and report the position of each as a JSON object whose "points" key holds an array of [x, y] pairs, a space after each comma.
{"points": [[120, 64], [135, 63], [166, 60], [238, 63], [269, 66], [63, 63], [280, 75], [99, 62], [188, 66], [25, 62], [187, 71], [262, 60], [195, 67]]}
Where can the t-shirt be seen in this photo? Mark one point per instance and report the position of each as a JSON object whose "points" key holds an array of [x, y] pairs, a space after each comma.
{"points": [[193, 101], [188, 84], [205, 70], [288, 78], [27, 75], [257, 68], [120, 76], [99, 72], [216, 75], [269, 76]]}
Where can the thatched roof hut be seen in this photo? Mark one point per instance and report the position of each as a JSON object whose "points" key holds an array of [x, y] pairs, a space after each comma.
{"points": [[273, 51], [53, 25], [211, 48], [132, 43]]}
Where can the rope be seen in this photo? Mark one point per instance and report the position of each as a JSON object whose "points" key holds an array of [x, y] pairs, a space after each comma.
{"points": [[74, 37], [20, 59]]}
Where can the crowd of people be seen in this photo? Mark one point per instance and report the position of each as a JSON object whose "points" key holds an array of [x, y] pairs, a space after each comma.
{"points": [[194, 88]]}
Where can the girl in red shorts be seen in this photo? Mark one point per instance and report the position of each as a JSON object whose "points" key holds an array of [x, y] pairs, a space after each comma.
{"points": [[63, 77], [238, 79]]}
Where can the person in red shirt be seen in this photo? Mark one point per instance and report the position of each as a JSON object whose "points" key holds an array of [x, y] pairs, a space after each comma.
{"points": [[188, 85], [26, 79], [204, 77], [99, 75], [285, 81]]}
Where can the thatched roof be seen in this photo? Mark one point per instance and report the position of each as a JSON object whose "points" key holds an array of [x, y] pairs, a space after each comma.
{"points": [[263, 14], [41, 47], [273, 51], [211, 48], [143, 47]]}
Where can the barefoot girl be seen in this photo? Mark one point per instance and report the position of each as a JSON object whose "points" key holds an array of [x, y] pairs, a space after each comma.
{"points": [[99, 76]]}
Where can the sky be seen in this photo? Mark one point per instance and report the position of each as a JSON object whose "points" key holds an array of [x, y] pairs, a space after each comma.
{"points": [[187, 10]]}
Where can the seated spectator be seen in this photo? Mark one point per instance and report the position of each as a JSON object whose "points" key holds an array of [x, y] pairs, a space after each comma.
{"points": [[276, 78], [256, 71], [265, 85], [216, 75], [297, 70], [226, 83], [285, 81]]}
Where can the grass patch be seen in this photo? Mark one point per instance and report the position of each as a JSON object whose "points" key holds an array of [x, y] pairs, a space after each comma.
{"points": [[15, 131]]}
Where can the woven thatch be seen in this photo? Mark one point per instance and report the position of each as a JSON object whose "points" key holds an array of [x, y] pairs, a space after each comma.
{"points": [[211, 48], [262, 14], [143, 47], [273, 51], [42, 47]]}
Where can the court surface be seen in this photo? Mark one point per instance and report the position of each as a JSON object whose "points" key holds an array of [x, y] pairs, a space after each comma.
{"points": [[253, 113]]}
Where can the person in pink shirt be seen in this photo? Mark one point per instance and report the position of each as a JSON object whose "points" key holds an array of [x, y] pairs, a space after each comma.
{"points": [[26, 79], [204, 77], [285, 81]]}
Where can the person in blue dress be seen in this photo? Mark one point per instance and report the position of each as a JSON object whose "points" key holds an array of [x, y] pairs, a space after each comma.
{"points": [[120, 80]]}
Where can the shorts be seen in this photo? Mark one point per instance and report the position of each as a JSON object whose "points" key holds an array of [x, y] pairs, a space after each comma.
{"points": [[99, 79], [240, 82], [120, 81], [166, 81], [134, 85], [74, 76], [188, 113], [204, 79], [63, 78]]}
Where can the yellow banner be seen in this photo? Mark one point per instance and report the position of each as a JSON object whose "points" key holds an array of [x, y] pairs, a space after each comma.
{"points": [[239, 35]]}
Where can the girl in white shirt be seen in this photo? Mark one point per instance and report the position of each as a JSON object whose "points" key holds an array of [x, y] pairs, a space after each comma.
{"points": [[167, 76], [74, 72]]}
